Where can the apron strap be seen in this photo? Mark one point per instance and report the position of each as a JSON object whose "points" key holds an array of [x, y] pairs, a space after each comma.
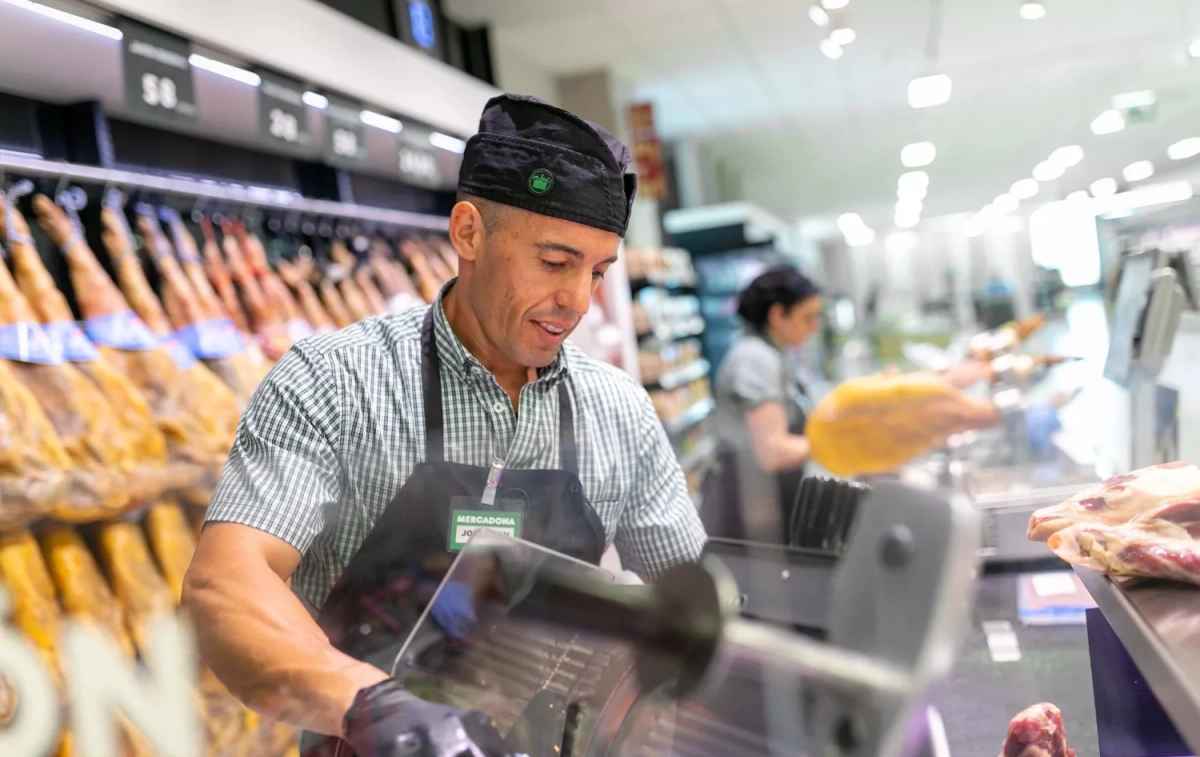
{"points": [[431, 392]]}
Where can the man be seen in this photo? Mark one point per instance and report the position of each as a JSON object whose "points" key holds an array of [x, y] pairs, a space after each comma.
{"points": [[362, 449]]}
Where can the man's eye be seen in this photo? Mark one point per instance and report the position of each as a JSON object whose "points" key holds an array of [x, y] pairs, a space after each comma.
{"points": [[553, 265], [598, 275]]}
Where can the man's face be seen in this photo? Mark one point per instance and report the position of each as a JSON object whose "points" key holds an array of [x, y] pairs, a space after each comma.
{"points": [[529, 278]]}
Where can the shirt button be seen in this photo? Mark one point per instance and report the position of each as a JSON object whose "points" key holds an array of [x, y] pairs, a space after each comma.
{"points": [[498, 407]]}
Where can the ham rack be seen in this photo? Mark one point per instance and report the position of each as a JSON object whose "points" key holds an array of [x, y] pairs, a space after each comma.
{"points": [[263, 197]]}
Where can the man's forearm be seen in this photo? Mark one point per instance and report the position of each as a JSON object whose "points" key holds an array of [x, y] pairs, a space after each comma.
{"points": [[265, 647]]}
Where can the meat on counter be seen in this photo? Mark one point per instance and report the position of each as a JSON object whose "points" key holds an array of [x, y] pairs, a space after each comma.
{"points": [[1037, 731]]}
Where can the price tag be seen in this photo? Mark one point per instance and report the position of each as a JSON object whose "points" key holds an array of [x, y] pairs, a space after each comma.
{"points": [[282, 114], [345, 134], [417, 160], [159, 81]]}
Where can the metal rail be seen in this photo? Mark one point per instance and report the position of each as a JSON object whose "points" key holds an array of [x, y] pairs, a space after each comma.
{"points": [[234, 193]]}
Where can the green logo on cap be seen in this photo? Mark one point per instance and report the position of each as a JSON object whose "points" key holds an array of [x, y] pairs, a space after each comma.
{"points": [[541, 181]]}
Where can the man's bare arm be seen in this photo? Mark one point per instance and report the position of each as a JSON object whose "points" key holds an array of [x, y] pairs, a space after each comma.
{"points": [[257, 636]]}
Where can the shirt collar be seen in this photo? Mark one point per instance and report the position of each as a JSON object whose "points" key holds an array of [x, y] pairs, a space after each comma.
{"points": [[454, 354]]}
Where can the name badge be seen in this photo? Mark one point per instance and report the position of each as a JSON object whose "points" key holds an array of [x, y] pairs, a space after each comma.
{"points": [[467, 516]]}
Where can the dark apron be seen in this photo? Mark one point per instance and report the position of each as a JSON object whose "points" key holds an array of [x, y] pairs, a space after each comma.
{"points": [[380, 596], [736, 483]]}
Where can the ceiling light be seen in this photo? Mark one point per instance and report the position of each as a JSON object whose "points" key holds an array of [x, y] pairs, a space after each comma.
{"points": [[224, 69], [818, 15], [315, 100], [1024, 189], [1184, 148], [928, 91], [832, 49], [1048, 170], [909, 207], [1067, 157], [1079, 195], [1108, 122], [860, 237], [1105, 187], [1032, 10], [1130, 100], [380, 121], [1139, 171], [1194, 48], [843, 35], [850, 221], [912, 192], [79, 22], [906, 220], [918, 154], [1012, 224], [1006, 203], [447, 142], [834, 5], [901, 241], [914, 179]]}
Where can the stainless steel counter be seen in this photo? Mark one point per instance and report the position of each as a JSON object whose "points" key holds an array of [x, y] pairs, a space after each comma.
{"points": [[1159, 625]]}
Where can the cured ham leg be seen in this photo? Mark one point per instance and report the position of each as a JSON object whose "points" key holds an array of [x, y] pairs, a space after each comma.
{"points": [[1037, 731]]}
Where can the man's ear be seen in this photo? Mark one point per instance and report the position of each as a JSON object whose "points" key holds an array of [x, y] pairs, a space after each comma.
{"points": [[466, 231]]}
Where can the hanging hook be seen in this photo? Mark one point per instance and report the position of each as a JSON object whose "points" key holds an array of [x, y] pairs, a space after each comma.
{"points": [[16, 192], [72, 201]]}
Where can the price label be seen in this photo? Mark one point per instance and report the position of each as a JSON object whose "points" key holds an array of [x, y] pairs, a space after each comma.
{"points": [[159, 82], [345, 135], [416, 158], [282, 114]]}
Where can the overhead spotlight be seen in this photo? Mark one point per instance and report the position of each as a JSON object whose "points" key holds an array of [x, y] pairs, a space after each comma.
{"points": [[1024, 189], [913, 179], [832, 49], [1184, 149], [928, 91], [1079, 195], [1067, 157], [1139, 171], [912, 192], [1048, 170], [860, 237], [1012, 224], [1032, 10], [850, 221], [1129, 100], [1006, 203], [834, 5], [1108, 122], [818, 15], [906, 220], [316, 100], [843, 35], [1106, 187], [918, 154], [909, 207], [901, 241], [1194, 48]]}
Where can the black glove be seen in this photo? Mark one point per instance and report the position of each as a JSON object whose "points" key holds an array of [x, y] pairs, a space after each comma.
{"points": [[387, 721]]}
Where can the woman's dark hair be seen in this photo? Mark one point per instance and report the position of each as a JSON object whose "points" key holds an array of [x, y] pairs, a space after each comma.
{"points": [[782, 285]]}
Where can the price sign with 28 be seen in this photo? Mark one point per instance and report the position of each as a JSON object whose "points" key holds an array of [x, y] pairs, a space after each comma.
{"points": [[282, 114], [159, 82]]}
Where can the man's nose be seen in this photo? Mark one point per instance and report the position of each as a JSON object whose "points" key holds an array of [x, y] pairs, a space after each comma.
{"points": [[577, 295]]}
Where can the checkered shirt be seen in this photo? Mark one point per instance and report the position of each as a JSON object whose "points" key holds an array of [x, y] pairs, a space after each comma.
{"points": [[338, 425]]}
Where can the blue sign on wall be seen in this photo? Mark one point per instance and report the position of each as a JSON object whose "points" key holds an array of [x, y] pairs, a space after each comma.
{"points": [[420, 18]]}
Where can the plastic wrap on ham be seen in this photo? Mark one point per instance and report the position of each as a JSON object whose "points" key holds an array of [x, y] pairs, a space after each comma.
{"points": [[1037, 731], [1118, 499]]}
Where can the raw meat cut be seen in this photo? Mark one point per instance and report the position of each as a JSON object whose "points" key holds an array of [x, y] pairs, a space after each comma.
{"points": [[193, 418], [877, 423], [1118, 499], [1162, 542], [1037, 731]]}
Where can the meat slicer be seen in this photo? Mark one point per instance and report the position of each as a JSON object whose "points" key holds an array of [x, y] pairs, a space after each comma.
{"points": [[566, 661]]}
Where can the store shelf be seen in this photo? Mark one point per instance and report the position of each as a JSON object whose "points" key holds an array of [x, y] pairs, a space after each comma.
{"points": [[681, 376], [699, 455], [1159, 625], [689, 418]]}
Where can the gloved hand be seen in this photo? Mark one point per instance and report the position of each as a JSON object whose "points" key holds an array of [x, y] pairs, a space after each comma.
{"points": [[1041, 423], [387, 721], [454, 610]]}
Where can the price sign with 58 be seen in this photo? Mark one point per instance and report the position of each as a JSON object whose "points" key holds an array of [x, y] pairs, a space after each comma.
{"points": [[159, 81]]}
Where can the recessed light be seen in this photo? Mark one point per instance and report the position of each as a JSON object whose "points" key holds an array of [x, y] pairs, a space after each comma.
{"points": [[928, 91], [918, 154], [1006, 203], [912, 192], [901, 241], [843, 35], [1108, 122], [818, 15], [1129, 100], [1194, 48], [860, 237], [1139, 171], [1067, 157], [832, 49], [909, 207], [1184, 149], [316, 100], [1105, 187], [1048, 170], [834, 5], [848, 221], [906, 220], [1032, 10], [1024, 189], [914, 179], [380, 121], [1079, 195]]}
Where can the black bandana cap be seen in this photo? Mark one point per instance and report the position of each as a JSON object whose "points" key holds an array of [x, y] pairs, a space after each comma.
{"points": [[532, 155]]}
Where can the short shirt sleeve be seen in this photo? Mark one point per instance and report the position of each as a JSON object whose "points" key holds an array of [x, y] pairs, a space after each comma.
{"points": [[283, 475], [755, 374]]}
